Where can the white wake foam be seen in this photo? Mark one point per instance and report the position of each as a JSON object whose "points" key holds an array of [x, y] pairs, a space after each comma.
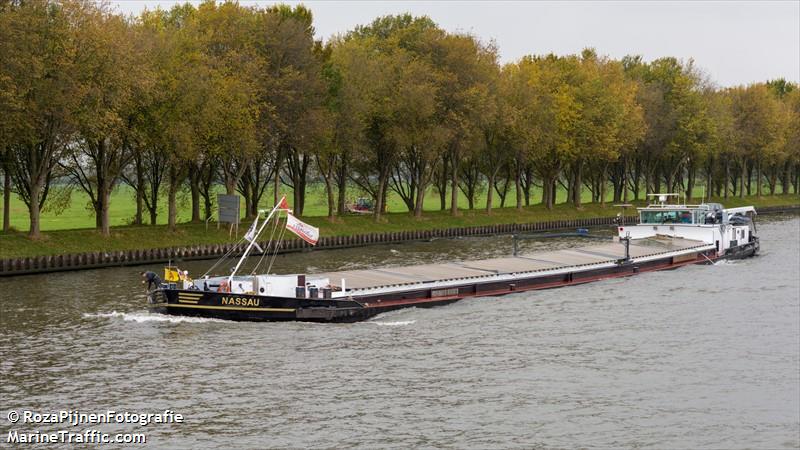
{"points": [[727, 262], [398, 323], [141, 317]]}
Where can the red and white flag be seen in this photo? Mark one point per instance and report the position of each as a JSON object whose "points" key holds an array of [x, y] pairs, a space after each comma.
{"points": [[305, 231], [283, 204]]}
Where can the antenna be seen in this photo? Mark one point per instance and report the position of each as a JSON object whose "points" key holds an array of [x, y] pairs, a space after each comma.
{"points": [[662, 198]]}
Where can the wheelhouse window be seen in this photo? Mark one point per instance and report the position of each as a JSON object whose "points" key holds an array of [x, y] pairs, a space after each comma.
{"points": [[666, 216]]}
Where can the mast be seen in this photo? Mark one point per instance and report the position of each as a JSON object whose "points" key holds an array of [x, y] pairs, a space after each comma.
{"points": [[260, 229]]}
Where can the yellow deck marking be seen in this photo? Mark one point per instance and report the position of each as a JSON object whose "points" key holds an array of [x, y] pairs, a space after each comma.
{"points": [[187, 298], [233, 308]]}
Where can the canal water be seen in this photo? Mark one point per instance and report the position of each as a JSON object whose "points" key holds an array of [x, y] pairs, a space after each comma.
{"points": [[700, 357]]}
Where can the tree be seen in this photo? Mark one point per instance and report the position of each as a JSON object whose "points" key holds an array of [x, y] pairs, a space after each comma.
{"points": [[759, 134], [171, 122], [42, 54], [223, 88], [716, 165], [294, 92], [498, 140], [102, 147], [11, 112], [399, 98], [468, 67], [545, 112], [792, 142]]}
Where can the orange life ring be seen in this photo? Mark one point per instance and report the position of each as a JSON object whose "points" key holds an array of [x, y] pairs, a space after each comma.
{"points": [[224, 287]]}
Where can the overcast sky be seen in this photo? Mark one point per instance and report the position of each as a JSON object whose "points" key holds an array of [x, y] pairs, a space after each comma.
{"points": [[736, 42]]}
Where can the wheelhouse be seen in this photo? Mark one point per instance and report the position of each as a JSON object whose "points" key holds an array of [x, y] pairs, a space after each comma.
{"points": [[705, 214]]}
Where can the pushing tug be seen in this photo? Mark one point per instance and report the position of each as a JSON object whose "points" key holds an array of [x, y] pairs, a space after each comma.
{"points": [[667, 236]]}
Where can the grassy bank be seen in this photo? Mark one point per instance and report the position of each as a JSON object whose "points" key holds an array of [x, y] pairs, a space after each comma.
{"points": [[142, 237], [122, 208]]}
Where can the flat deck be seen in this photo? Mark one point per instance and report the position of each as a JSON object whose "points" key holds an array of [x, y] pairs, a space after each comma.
{"points": [[556, 259]]}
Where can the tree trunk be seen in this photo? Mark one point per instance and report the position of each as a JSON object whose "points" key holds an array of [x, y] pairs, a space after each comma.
{"points": [[518, 186], [576, 191], [276, 182], [785, 179], [602, 190], [454, 186], [772, 179], [749, 180], [646, 184], [727, 188], [742, 181], [625, 181], [253, 200], [207, 207], [98, 215], [230, 186], [299, 196], [419, 203], [195, 188], [7, 199], [104, 195], [759, 177], [139, 189], [331, 199], [796, 178], [342, 188], [33, 210], [380, 197], [385, 207], [490, 193], [247, 193], [442, 184], [527, 185], [570, 181], [545, 191], [548, 184], [172, 208], [276, 186], [503, 193], [137, 220]]}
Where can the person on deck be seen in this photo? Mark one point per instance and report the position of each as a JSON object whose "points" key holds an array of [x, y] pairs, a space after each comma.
{"points": [[151, 279]]}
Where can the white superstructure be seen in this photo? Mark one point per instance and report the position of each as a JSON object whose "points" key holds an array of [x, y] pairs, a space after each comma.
{"points": [[727, 229]]}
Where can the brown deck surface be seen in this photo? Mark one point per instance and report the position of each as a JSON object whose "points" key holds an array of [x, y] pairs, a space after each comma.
{"points": [[606, 252]]}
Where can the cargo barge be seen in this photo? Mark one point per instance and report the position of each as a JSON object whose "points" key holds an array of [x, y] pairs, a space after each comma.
{"points": [[667, 236]]}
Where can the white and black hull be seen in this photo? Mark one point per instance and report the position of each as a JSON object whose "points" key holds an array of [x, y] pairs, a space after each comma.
{"points": [[248, 307]]}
